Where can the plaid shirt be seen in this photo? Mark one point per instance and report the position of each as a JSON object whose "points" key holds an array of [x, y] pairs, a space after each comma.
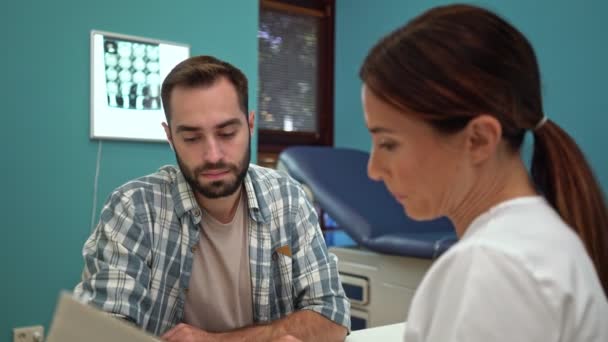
{"points": [[138, 261]]}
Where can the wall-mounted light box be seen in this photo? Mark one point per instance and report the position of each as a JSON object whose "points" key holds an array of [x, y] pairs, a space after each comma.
{"points": [[126, 77]]}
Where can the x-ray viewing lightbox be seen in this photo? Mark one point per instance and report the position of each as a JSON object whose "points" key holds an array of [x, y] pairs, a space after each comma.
{"points": [[126, 77]]}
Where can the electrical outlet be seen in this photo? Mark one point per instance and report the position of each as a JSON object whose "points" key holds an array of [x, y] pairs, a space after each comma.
{"points": [[34, 333]]}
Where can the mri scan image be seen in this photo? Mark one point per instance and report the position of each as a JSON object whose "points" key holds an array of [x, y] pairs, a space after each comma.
{"points": [[132, 74]]}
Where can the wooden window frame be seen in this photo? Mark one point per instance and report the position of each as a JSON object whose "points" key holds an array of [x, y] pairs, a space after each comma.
{"points": [[272, 142]]}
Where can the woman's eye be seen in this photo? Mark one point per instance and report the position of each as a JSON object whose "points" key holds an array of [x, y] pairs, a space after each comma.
{"points": [[388, 146]]}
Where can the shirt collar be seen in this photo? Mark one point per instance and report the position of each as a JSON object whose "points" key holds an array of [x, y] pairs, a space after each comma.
{"points": [[183, 193], [481, 221]]}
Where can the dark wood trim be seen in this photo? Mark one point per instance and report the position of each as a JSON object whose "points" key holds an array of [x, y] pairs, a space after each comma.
{"points": [[269, 137], [285, 7], [326, 119]]}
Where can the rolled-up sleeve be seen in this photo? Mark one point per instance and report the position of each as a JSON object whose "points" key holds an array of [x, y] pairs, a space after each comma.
{"points": [[315, 271], [116, 270]]}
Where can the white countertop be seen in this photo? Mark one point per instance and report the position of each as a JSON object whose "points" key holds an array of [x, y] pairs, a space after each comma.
{"points": [[388, 333]]}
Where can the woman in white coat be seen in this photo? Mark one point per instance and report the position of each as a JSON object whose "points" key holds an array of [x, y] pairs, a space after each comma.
{"points": [[448, 99]]}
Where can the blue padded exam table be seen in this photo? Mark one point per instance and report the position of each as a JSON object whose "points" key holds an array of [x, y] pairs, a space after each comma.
{"points": [[394, 252]]}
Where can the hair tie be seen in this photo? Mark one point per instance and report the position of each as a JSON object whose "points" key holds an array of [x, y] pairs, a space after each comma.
{"points": [[541, 123]]}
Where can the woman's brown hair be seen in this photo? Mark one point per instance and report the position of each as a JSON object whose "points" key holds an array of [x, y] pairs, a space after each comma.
{"points": [[456, 62]]}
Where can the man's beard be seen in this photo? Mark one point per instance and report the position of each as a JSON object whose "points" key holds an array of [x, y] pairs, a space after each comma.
{"points": [[220, 188]]}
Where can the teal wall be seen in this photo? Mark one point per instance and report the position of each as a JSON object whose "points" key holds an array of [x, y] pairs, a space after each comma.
{"points": [[49, 164], [569, 39]]}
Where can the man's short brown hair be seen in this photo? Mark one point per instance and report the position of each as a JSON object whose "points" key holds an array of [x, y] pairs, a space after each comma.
{"points": [[203, 71]]}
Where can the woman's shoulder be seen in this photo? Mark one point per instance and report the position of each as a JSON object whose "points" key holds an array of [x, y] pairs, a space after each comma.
{"points": [[526, 228], [530, 247]]}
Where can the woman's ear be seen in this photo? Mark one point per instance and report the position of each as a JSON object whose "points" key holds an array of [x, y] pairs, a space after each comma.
{"points": [[483, 136]]}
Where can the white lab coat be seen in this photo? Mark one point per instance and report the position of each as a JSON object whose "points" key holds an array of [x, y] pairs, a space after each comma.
{"points": [[519, 273]]}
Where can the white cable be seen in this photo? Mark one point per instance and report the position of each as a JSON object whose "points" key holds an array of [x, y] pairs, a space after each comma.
{"points": [[95, 184]]}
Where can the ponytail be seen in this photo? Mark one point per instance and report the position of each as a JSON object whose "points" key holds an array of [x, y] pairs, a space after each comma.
{"points": [[565, 178]]}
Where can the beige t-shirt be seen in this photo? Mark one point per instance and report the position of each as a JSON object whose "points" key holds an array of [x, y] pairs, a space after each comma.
{"points": [[219, 297]]}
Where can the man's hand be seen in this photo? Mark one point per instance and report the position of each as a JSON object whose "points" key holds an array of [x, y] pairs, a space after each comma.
{"points": [[305, 324], [187, 333]]}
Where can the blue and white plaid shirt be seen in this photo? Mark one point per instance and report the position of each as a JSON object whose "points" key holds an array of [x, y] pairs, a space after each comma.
{"points": [[138, 261]]}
